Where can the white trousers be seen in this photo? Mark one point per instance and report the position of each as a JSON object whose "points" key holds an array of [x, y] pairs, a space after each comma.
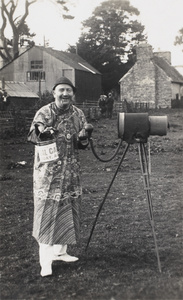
{"points": [[47, 252]]}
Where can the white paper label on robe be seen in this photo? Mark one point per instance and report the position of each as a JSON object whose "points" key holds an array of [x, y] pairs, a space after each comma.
{"points": [[48, 152]]}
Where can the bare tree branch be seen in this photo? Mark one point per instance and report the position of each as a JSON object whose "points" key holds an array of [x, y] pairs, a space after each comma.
{"points": [[9, 10], [6, 56], [22, 20]]}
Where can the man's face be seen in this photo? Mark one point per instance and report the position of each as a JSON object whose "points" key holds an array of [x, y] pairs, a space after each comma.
{"points": [[63, 94]]}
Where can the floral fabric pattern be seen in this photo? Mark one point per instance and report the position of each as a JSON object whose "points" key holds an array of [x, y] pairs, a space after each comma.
{"points": [[57, 187]]}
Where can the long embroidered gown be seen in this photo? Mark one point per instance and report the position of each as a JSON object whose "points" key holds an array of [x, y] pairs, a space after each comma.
{"points": [[56, 184]]}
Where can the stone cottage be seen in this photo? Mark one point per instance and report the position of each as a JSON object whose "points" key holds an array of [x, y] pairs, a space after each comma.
{"points": [[152, 80]]}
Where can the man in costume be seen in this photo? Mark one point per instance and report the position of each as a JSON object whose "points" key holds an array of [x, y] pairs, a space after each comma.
{"points": [[56, 183]]}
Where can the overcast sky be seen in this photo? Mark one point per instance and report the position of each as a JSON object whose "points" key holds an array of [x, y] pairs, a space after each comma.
{"points": [[162, 20]]}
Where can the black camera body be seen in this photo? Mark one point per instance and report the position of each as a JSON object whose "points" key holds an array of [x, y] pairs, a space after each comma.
{"points": [[137, 127]]}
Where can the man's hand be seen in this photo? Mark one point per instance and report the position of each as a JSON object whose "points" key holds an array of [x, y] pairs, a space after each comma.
{"points": [[47, 133], [83, 135]]}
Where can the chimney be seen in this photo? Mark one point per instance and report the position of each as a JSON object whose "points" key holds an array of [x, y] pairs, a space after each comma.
{"points": [[144, 52], [164, 54]]}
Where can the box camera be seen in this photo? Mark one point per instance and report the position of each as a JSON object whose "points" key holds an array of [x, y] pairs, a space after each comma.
{"points": [[137, 127]]}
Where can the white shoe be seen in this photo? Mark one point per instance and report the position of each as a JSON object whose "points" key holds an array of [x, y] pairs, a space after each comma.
{"points": [[65, 257], [46, 270]]}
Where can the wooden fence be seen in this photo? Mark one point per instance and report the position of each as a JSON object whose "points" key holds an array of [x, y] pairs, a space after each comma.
{"points": [[18, 123], [13, 124], [6, 121]]}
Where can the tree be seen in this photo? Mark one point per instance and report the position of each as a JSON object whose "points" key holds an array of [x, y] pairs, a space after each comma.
{"points": [[24, 36], [18, 26], [179, 38], [7, 12], [109, 37]]}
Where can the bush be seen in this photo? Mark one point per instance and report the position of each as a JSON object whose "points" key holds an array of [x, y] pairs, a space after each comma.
{"points": [[45, 98]]}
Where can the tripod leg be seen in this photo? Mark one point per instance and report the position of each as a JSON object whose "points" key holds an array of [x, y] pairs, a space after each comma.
{"points": [[145, 173], [107, 192]]}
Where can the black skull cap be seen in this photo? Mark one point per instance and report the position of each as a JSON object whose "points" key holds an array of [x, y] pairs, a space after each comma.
{"points": [[64, 80]]}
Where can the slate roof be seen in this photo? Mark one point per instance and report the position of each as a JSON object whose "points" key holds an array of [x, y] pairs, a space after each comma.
{"points": [[19, 89], [168, 69], [71, 59]]}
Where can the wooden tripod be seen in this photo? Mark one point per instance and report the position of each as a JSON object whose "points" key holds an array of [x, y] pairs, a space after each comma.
{"points": [[146, 180]]}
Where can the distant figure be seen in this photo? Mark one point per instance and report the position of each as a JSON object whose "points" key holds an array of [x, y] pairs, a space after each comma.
{"points": [[110, 103], [102, 102]]}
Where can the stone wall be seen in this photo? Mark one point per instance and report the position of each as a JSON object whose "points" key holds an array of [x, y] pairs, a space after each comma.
{"points": [[138, 86], [163, 89], [145, 82]]}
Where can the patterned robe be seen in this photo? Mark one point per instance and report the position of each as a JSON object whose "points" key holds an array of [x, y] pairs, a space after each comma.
{"points": [[56, 184]]}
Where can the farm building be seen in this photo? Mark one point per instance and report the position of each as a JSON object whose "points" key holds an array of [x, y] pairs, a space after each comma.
{"points": [[152, 80], [39, 68], [17, 96]]}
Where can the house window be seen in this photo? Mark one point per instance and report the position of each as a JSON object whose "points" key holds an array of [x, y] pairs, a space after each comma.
{"points": [[36, 76], [36, 64], [67, 73]]}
